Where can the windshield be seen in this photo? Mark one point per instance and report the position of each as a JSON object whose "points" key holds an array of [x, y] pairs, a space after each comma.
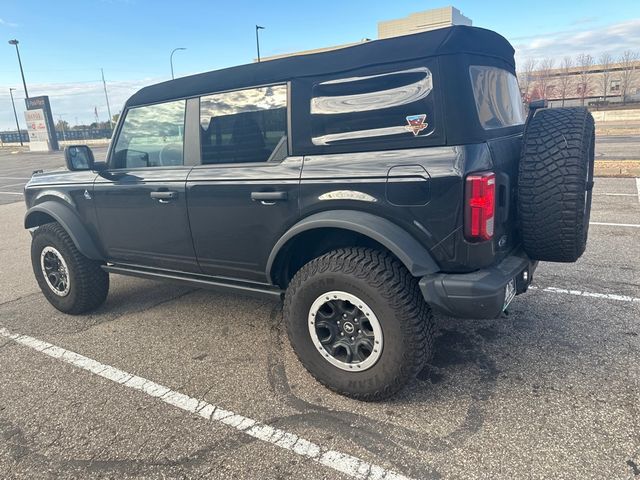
{"points": [[497, 97]]}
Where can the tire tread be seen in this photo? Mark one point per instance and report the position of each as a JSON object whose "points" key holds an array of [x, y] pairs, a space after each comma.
{"points": [[91, 282], [551, 183], [398, 288]]}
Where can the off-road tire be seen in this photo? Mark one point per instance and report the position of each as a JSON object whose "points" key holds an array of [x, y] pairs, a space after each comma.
{"points": [[88, 283], [555, 183], [386, 286]]}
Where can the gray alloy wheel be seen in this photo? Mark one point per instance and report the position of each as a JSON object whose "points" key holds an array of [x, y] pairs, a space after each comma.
{"points": [[55, 271], [345, 330]]}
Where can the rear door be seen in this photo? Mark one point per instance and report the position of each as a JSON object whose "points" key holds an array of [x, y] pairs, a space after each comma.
{"points": [[245, 193], [140, 200]]}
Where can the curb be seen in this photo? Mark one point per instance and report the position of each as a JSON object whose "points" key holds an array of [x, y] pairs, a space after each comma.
{"points": [[617, 168]]}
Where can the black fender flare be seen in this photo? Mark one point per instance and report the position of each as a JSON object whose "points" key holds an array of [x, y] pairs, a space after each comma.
{"points": [[68, 219], [398, 241]]}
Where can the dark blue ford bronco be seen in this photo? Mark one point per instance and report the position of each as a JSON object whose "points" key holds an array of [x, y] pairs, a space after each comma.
{"points": [[363, 186]]}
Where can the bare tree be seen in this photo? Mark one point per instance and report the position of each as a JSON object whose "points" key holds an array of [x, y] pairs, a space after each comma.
{"points": [[605, 65], [584, 63], [565, 79], [543, 77], [629, 63], [524, 78]]}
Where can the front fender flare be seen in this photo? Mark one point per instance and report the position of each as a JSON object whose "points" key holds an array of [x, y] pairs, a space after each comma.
{"points": [[68, 219], [409, 251]]}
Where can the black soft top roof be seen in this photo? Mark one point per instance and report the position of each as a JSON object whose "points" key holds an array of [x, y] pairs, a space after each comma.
{"points": [[445, 41]]}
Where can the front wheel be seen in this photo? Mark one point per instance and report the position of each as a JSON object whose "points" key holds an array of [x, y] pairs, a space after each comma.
{"points": [[358, 323], [71, 282]]}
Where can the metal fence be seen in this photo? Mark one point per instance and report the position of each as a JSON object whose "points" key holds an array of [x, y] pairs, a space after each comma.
{"points": [[88, 134]]}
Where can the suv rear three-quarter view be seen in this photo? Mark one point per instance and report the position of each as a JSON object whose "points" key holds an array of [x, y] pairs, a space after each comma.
{"points": [[364, 186]]}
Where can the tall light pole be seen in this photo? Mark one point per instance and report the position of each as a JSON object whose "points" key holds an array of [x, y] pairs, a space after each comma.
{"points": [[171, 59], [106, 96], [258, 27], [16, 116], [15, 42]]}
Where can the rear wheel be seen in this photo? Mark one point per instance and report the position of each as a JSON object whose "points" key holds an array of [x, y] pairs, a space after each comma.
{"points": [[555, 183], [357, 321], [71, 282]]}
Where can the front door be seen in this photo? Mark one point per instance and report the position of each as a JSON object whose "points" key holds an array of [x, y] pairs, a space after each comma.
{"points": [[141, 199]]}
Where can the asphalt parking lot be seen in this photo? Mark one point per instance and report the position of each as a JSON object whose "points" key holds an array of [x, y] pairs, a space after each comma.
{"points": [[550, 391]]}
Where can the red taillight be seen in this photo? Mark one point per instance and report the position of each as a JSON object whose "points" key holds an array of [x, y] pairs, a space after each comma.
{"points": [[480, 201]]}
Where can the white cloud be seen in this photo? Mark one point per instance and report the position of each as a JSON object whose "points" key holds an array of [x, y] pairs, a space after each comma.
{"points": [[613, 39], [7, 24], [71, 100]]}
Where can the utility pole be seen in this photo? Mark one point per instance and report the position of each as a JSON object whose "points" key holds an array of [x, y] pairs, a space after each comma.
{"points": [[61, 120], [258, 27], [15, 42], [16, 116], [106, 96]]}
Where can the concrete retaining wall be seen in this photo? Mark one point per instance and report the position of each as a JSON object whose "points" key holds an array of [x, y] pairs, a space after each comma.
{"points": [[615, 116]]}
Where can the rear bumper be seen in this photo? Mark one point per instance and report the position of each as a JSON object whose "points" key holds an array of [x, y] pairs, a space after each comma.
{"points": [[479, 294]]}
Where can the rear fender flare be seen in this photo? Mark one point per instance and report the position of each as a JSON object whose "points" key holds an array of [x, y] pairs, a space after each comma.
{"points": [[68, 219], [398, 241]]}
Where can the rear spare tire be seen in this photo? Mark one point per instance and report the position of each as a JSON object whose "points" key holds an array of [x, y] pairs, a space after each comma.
{"points": [[555, 182]]}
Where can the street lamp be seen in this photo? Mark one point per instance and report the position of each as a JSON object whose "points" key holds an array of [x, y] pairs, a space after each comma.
{"points": [[171, 59], [258, 27], [15, 42], [16, 116]]}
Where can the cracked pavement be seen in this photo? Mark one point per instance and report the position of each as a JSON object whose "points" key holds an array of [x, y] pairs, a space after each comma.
{"points": [[549, 391]]}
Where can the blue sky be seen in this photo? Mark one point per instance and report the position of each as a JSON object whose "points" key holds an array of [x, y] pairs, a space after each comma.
{"points": [[65, 43]]}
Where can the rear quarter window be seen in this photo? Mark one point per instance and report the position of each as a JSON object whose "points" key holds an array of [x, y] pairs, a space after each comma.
{"points": [[373, 108], [497, 97]]}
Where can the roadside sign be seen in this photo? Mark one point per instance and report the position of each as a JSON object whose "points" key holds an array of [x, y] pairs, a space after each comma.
{"points": [[42, 104], [38, 131]]}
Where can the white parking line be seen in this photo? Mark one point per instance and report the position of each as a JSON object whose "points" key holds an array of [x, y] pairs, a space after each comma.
{"points": [[15, 178], [11, 193], [638, 188], [13, 185], [581, 293], [634, 225], [341, 462]]}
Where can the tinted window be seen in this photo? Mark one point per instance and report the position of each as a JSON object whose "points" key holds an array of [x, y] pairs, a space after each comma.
{"points": [[151, 136], [387, 106], [243, 126], [497, 97]]}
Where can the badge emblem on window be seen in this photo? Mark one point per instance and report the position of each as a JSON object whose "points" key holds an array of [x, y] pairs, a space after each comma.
{"points": [[416, 123]]}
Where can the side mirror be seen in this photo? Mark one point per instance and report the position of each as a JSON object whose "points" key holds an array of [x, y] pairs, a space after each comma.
{"points": [[78, 157]]}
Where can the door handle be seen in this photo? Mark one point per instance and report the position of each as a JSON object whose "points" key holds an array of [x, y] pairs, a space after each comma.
{"points": [[164, 196], [269, 198]]}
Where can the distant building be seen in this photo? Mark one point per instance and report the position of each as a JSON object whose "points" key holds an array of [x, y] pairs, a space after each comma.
{"points": [[577, 86], [422, 21], [414, 23]]}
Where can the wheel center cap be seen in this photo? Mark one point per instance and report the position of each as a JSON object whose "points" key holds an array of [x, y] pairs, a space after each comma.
{"points": [[348, 327]]}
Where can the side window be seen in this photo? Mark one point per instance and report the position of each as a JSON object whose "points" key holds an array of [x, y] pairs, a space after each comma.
{"points": [[244, 126], [498, 98], [389, 106], [151, 136]]}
